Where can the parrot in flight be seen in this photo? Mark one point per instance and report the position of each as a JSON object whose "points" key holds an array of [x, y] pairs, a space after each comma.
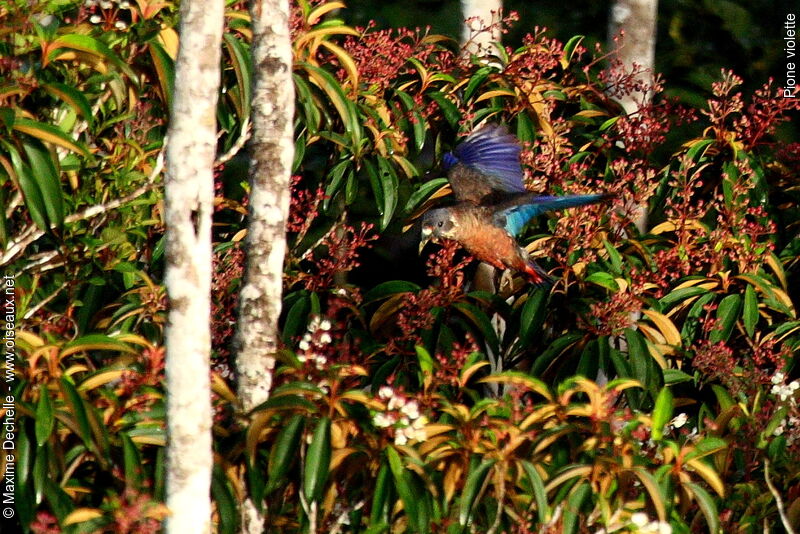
{"points": [[493, 205]]}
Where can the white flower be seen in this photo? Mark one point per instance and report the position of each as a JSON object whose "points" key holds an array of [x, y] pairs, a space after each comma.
{"points": [[778, 377], [640, 519], [793, 385], [325, 338], [120, 25], [90, 3], [105, 4], [325, 324], [385, 392], [395, 403], [124, 4], [301, 358], [778, 431], [400, 439], [383, 420], [679, 420], [320, 361], [304, 345], [411, 409], [95, 19]]}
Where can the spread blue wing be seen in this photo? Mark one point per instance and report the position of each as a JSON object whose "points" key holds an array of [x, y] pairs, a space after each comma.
{"points": [[494, 153], [515, 214]]}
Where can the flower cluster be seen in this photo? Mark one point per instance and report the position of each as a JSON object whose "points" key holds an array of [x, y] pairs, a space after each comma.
{"points": [[401, 415], [383, 55], [640, 522], [415, 314], [107, 13], [312, 346], [782, 389]]}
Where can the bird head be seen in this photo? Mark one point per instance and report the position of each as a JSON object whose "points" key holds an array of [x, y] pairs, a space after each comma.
{"points": [[437, 224]]}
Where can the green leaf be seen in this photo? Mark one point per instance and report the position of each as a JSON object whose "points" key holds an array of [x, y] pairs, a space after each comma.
{"points": [[642, 362], [90, 45], [71, 96], [679, 295], [388, 289], [727, 313], [603, 279], [571, 45], [699, 146], [662, 413], [51, 134], [417, 121], [481, 321], [318, 461], [475, 80], [532, 317], [425, 362], [241, 61], [344, 106], [47, 177], [313, 117], [29, 188], [750, 313], [471, 489], [572, 509], [335, 180], [44, 417], [284, 451], [539, 493], [411, 501], [449, 110], [165, 69], [423, 192], [675, 376], [226, 506], [132, 461], [379, 513], [389, 186], [707, 506], [706, 446], [75, 407]]}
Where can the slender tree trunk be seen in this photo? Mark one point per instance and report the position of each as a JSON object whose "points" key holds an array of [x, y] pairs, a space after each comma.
{"points": [[272, 150], [189, 194], [637, 19], [479, 14]]}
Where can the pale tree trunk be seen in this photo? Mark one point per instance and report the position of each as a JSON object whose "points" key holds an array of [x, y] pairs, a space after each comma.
{"points": [[479, 14], [188, 196], [637, 19], [272, 150]]}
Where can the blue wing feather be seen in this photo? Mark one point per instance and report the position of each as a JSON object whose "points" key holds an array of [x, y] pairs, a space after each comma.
{"points": [[495, 153], [514, 215]]}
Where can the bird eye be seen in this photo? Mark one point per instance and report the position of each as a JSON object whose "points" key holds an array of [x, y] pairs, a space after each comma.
{"points": [[441, 223]]}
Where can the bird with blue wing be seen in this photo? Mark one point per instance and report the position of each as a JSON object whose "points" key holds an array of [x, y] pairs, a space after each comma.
{"points": [[493, 205]]}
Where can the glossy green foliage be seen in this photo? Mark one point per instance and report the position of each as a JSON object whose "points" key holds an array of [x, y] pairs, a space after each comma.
{"points": [[413, 393]]}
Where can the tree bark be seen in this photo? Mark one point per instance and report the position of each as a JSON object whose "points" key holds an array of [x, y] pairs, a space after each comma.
{"points": [[480, 14], [189, 194], [272, 151], [637, 19]]}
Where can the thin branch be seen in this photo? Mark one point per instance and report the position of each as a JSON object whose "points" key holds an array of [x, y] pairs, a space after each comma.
{"points": [[501, 495], [237, 146], [343, 517], [31, 233], [778, 501], [16, 200]]}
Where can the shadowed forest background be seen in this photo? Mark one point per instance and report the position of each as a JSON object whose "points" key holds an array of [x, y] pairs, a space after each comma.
{"points": [[653, 388]]}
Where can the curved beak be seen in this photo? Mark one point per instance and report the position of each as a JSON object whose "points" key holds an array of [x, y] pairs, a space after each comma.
{"points": [[427, 234]]}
